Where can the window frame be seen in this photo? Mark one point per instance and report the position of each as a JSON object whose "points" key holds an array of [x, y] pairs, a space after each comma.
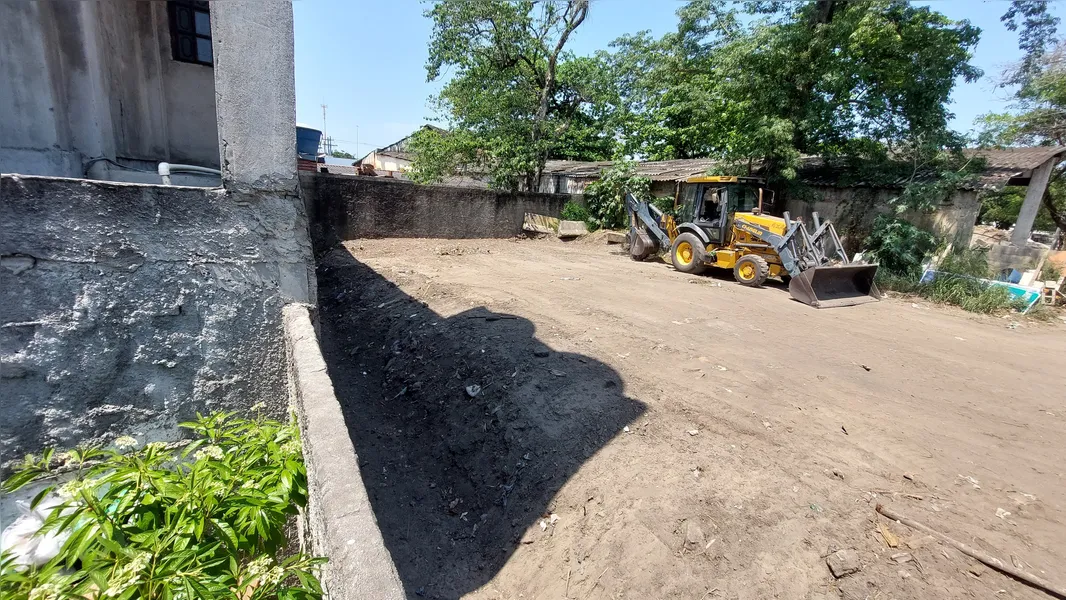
{"points": [[176, 35]]}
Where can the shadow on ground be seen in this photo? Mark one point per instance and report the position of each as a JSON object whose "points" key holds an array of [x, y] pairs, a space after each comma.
{"points": [[457, 474]]}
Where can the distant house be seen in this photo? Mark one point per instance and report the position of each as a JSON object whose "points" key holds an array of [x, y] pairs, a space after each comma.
{"points": [[395, 159]]}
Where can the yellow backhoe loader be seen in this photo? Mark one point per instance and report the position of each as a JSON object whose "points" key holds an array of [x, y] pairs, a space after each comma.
{"points": [[720, 222]]}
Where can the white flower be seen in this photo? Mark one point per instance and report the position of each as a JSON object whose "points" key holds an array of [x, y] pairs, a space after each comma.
{"points": [[291, 447], [259, 566], [74, 487], [125, 443], [156, 446], [209, 452], [46, 591], [259, 406], [273, 577], [127, 575]]}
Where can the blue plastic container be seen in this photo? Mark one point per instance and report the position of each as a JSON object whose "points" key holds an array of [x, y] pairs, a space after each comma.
{"points": [[307, 140]]}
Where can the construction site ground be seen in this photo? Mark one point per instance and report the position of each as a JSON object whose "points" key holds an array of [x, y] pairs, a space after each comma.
{"points": [[540, 419]]}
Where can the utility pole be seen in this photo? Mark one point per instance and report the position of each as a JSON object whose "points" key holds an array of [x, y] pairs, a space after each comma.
{"points": [[357, 141], [324, 138]]}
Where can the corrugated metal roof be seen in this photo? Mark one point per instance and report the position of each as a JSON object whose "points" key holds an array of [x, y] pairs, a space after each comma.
{"points": [[1002, 164]]}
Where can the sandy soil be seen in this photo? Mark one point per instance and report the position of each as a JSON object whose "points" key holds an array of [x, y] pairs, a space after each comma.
{"points": [[640, 433]]}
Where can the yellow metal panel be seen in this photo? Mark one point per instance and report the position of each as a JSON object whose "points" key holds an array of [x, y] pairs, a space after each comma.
{"points": [[723, 179], [725, 259], [711, 179], [774, 224]]}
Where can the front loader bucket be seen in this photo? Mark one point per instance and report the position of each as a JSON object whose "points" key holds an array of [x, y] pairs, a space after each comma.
{"points": [[830, 286]]}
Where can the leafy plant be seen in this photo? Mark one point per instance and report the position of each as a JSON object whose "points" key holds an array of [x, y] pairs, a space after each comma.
{"points": [[898, 246], [664, 203], [208, 522], [606, 197], [1050, 272], [573, 211], [512, 86], [958, 282]]}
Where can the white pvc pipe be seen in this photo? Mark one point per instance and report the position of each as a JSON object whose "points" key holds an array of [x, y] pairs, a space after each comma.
{"points": [[164, 172], [165, 169]]}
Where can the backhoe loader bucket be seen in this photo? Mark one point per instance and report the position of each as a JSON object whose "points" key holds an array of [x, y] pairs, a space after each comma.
{"points": [[839, 285]]}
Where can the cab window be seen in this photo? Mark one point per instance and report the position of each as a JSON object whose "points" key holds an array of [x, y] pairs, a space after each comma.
{"points": [[745, 198]]}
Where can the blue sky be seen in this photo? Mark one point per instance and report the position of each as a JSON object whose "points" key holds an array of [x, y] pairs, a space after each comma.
{"points": [[366, 60]]}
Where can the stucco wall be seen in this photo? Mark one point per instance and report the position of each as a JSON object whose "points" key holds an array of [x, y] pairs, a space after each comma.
{"points": [[127, 308], [96, 79], [344, 208], [853, 211]]}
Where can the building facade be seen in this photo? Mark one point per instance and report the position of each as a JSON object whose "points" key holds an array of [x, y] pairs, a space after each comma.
{"points": [[107, 89]]}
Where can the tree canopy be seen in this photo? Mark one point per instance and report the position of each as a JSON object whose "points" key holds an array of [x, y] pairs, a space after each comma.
{"points": [[514, 91], [786, 79], [1038, 113], [765, 81]]}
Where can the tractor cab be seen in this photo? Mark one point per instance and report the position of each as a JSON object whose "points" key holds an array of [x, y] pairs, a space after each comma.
{"points": [[709, 203]]}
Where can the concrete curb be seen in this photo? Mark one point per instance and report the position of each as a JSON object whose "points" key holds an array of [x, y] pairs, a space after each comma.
{"points": [[340, 520]]}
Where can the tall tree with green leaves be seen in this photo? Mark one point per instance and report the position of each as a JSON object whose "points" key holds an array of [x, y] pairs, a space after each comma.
{"points": [[1038, 114], [513, 89], [829, 78]]}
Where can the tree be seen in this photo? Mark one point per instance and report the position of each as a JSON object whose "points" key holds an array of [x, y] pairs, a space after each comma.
{"points": [[830, 78], [342, 154], [1038, 114], [440, 155], [514, 91]]}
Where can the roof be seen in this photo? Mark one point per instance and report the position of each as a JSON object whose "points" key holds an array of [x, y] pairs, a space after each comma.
{"points": [[1003, 166], [338, 169], [658, 170], [398, 149], [408, 156]]}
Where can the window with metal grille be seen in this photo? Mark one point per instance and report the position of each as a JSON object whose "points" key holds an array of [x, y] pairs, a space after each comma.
{"points": [[190, 31]]}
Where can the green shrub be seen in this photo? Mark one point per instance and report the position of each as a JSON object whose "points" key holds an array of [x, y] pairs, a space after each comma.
{"points": [[208, 522], [1049, 272], [665, 204], [606, 197], [573, 211], [898, 246], [957, 283], [967, 261]]}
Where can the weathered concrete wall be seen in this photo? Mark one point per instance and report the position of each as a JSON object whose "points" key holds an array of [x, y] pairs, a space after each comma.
{"points": [[342, 207], [340, 520], [96, 79], [127, 308], [256, 97], [853, 211]]}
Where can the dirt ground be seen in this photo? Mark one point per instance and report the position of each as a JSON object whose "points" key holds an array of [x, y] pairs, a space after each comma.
{"points": [[639, 433]]}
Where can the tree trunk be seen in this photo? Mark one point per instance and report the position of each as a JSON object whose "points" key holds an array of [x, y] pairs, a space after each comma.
{"points": [[576, 11]]}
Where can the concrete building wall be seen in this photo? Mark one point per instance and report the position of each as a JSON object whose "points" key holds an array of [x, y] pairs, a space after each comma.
{"points": [[127, 308], [96, 79], [344, 208], [853, 211]]}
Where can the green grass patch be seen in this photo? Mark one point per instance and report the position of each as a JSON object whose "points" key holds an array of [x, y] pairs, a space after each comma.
{"points": [[958, 283]]}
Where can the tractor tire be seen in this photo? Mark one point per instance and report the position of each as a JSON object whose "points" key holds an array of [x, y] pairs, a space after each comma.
{"points": [[751, 270], [686, 254]]}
